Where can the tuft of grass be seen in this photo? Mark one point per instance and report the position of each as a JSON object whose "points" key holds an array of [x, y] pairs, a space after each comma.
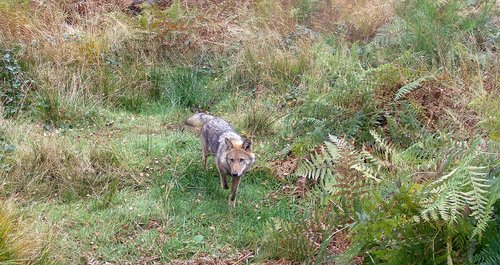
{"points": [[20, 241], [185, 87], [56, 165], [259, 120], [488, 107], [364, 18], [437, 27], [271, 65], [61, 109], [304, 10]]}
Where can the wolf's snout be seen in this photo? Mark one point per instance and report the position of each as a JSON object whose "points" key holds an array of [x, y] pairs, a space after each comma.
{"points": [[234, 174]]}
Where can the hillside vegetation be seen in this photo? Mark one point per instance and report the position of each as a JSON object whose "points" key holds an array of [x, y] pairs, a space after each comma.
{"points": [[375, 124]]}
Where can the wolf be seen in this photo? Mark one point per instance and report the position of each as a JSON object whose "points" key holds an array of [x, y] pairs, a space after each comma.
{"points": [[233, 153]]}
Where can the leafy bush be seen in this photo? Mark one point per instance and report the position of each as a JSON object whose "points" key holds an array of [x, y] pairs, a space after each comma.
{"points": [[15, 85]]}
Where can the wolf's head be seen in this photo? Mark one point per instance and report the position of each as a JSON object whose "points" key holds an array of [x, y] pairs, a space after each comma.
{"points": [[239, 157]]}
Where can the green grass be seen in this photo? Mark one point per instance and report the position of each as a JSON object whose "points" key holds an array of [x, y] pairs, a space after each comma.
{"points": [[168, 202], [164, 222]]}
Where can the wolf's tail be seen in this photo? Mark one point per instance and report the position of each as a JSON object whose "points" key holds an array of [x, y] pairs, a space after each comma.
{"points": [[198, 120]]}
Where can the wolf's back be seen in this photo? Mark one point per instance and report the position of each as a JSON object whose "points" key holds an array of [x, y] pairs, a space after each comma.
{"points": [[198, 120]]}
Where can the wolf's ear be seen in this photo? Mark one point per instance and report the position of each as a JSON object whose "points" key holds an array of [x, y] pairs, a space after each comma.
{"points": [[229, 144], [247, 144]]}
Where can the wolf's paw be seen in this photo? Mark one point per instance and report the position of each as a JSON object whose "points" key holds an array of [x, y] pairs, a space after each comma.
{"points": [[232, 203]]}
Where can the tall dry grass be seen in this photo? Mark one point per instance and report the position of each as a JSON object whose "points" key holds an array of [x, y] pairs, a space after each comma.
{"points": [[91, 50], [99, 52], [20, 241]]}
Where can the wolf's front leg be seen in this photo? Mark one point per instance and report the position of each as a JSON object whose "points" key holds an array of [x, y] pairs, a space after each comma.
{"points": [[204, 160], [204, 152], [234, 189], [223, 180]]}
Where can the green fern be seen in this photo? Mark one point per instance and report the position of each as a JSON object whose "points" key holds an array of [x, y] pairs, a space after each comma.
{"points": [[339, 168], [489, 255], [390, 34], [436, 190], [404, 90], [464, 186], [320, 166], [494, 196]]}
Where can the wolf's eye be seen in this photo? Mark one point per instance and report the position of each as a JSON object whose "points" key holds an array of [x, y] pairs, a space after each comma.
{"points": [[231, 160], [242, 160]]}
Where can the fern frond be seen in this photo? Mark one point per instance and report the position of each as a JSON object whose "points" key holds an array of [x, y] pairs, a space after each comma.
{"points": [[383, 146], [333, 168], [373, 160], [494, 196], [318, 167], [490, 255], [366, 171], [463, 187], [404, 90], [389, 34], [340, 143]]}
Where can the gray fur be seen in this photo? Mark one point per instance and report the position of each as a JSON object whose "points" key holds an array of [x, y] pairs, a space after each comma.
{"points": [[214, 132], [198, 120], [232, 152]]}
